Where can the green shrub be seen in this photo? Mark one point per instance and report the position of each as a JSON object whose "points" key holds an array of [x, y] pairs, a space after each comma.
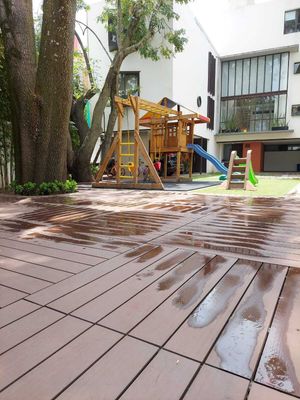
{"points": [[70, 186], [29, 189], [45, 188], [94, 169], [18, 189]]}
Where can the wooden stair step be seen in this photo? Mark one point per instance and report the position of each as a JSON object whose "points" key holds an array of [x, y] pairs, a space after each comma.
{"points": [[239, 177], [238, 168], [239, 161]]}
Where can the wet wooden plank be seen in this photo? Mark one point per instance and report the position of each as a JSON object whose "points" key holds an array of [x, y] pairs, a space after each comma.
{"points": [[115, 297], [20, 282], [25, 327], [166, 377], [279, 365], [88, 292], [139, 255], [181, 303], [16, 311], [258, 392], [187, 239], [8, 295], [45, 261], [196, 336], [33, 270], [53, 242], [49, 252], [54, 374], [213, 384], [28, 354], [129, 314], [112, 373], [240, 343]]}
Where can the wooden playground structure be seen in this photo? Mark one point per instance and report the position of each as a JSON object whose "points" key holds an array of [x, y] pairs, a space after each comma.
{"points": [[170, 133]]}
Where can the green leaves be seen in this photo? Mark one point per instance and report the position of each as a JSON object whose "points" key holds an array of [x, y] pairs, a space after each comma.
{"points": [[147, 25], [45, 188]]}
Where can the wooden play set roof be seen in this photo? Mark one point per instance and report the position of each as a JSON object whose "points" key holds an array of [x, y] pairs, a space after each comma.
{"points": [[156, 111]]}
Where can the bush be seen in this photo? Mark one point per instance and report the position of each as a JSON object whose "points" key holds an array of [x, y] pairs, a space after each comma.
{"points": [[29, 188], [45, 188], [94, 169]]}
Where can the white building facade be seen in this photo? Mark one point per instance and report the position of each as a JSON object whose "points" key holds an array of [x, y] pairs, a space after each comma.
{"points": [[260, 83]]}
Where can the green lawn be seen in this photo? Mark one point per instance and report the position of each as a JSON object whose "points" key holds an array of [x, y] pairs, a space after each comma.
{"points": [[274, 187]]}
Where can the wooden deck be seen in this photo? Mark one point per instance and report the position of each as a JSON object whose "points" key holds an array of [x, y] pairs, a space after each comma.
{"points": [[118, 294]]}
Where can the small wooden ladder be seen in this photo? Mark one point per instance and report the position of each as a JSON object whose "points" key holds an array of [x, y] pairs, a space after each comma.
{"points": [[238, 172]]}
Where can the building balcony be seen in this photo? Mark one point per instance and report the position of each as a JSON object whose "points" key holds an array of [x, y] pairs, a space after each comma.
{"points": [[269, 135]]}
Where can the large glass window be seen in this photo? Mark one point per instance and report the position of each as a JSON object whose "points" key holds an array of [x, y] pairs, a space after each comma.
{"points": [[254, 92], [246, 75], [292, 21], [268, 74], [253, 114], [238, 77], [224, 79], [231, 83], [253, 75]]}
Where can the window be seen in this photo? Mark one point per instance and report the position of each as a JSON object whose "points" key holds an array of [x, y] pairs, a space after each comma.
{"points": [[292, 21], [295, 110], [211, 112], [112, 36], [255, 75], [254, 93], [297, 68], [129, 84], [211, 74], [282, 147]]}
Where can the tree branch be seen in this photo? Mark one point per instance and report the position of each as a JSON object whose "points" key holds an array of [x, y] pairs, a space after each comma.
{"points": [[119, 26], [87, 61]]}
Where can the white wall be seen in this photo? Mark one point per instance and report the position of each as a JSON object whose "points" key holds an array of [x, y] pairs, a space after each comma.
{"points": [[244, 26], [190, 73]]}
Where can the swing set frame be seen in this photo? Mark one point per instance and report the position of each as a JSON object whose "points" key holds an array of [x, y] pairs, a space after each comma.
{"points": [[170, 132]]}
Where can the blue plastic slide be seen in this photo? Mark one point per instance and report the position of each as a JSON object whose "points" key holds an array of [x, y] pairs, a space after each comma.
{"points": [[199, 150]]}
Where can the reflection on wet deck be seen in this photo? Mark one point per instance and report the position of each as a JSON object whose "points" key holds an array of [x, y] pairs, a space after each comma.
{"points": [[149, 296]]}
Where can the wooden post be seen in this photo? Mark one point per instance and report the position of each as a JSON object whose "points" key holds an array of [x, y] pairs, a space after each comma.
{"points": [[229, 172], [165, 165], [178, 166], [180, 134], [190, 165], [136, 146], [108, 156], [119, 146]]}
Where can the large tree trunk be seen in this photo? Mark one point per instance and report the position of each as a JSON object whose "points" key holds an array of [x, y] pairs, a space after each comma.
{"points": [[41, 100], [54, 87], [111, 121], [16, 23]]}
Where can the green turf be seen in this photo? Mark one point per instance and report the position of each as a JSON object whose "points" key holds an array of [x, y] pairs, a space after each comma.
{"points": [[274, 187], [206, 177]]}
